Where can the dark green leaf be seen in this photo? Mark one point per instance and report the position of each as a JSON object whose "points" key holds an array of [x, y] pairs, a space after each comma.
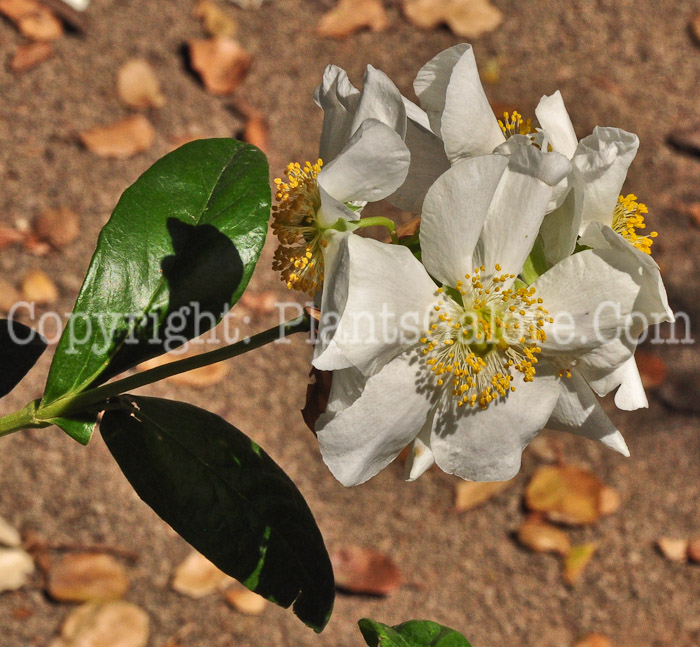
{"points": [[414, 633], [78, 428], [226, 497], [174, 257], [20, 348]]}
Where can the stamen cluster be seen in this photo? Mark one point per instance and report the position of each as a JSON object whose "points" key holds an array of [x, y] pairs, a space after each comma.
{"points": [[628, 218], [514, 124]]}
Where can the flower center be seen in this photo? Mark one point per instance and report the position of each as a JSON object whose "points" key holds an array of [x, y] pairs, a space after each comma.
{"points": [[299, 257], [628, 217], [514, 124], [481, 332]]}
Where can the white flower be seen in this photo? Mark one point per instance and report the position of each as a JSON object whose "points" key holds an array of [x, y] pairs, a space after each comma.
{"points": [[469, 372], [362, 159]]}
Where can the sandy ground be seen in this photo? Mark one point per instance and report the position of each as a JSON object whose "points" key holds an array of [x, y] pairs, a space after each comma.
{"points": [[628, 63]]}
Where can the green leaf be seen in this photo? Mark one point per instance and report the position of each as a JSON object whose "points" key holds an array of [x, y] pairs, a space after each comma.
{"points": [[20, 348], [174, 257], [78, 428], [414, 633], [226, 497]]}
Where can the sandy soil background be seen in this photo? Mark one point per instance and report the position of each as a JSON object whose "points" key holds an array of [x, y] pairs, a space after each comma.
{"points": [[628, 63]]}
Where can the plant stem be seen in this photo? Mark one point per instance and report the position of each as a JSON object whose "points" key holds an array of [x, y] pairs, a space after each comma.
{"points": [[33, 415]]}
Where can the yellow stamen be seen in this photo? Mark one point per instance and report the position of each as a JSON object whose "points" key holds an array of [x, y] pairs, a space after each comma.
{"points": [[628, 217]]}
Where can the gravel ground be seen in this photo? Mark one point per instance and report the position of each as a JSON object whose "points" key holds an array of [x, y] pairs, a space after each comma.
{"points": [[626, 63]]}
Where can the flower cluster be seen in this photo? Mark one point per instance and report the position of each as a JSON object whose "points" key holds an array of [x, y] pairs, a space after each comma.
{"points": [[521, 300]]}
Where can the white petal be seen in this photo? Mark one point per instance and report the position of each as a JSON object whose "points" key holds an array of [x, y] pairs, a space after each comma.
{"points": [[420, 456], [601, 161], [559, 230], [590, 298], [372, 165], [486, 445], [578, 412], [380, 100], [332, 210], [553, 117], [630, 396], [376, 306], [518, 208], [347, 386], [428, 162], [453, 214], [339, 99], [364, 438]]}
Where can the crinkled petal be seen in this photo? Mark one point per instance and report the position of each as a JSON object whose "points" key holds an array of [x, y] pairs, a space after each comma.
{"points": [[428, 162], [601, 161], [518, 208], [553, 117], [332, 210], [486, 445], [578, 412], [364, 438], [454, 211], [372, 165], [380, 100], [376, 306], [630, 396], [338, 99], [559, 230], [420, 456], [347, 386]]}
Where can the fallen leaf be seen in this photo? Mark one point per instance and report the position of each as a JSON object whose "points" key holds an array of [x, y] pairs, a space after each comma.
{"points": [[694, 27], [673, 549], [543, 537], [609, 501], [121, 139], [198, 378], [221, 63], [86, 577], [594, 640], [110, 624], [260, 303], [35, 246], [565, 494], [38, 288], [256, 131], [246, 601], [196, 577], [8, 296], [10, 236], [29, 55], [317, 393], [350, 16], [545, 449], [33, 19], [467, 18], [58, 227], [472, 494], [360, 569], [652, 369], [576, 561], [215, 20], [694, 550], [686, 139], [138, 86], [9, 535], [15, 568]]}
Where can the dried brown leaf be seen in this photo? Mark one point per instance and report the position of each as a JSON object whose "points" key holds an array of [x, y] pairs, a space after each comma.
{"points": [[686, 139], [246, 601], [467, 18], [673, 548], [215, 20], [652, 369], [39, 288], [121, 139], [256, 131], [350, 16], [196, 577], [198, 378], [472, 494], [117, 624], [221, 63], [576, 561], [360, 569], [609, 502], [565, 494], [317, 393], [58, 227], [694, 550], [86, 577], [694, 27], [33, 19], [138, 86], [10, 236], [29, 55], [543, 538], [593, 640]]}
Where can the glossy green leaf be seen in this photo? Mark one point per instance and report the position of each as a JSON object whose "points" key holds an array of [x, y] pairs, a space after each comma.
{"points": [[78, 428], [226, 497], [20, 348], [174, 257], [414, 633]]}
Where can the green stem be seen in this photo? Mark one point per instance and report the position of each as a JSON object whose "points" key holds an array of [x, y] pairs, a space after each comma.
{"points": [[379, 221], [34, 415]]}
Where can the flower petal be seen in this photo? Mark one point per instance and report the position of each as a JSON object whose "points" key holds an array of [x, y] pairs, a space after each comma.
{"points": [[453, 214], [420, 456], [371, 166], [380, 100], [332, 210], [601, 161], [376, 306], [559, 230], [518, 207], [486, 445], [577, 411], [630, 396], [364, 438], [338, 99], [553, 117]]}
